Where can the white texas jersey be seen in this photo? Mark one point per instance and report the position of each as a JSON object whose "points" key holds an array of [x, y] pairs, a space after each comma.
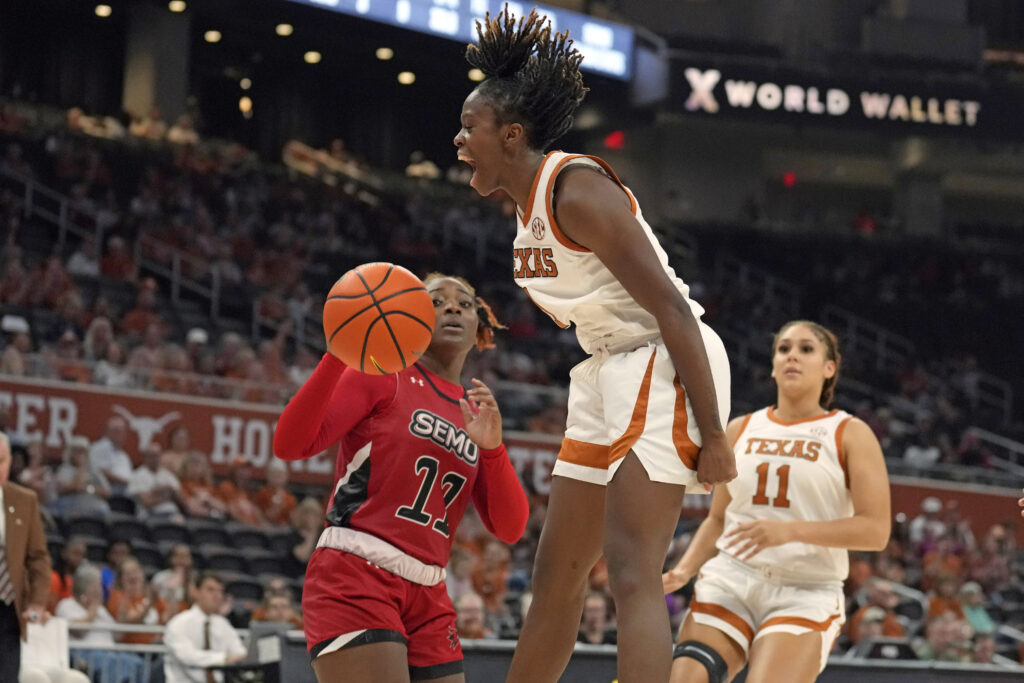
{"points": [[792, 471], [570, 283]]}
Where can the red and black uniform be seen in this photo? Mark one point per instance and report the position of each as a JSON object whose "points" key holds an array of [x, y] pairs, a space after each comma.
{"points": [[406, 471]]}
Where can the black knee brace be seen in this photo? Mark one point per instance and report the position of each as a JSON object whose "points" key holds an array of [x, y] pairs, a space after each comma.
{"points": [[718, 672]]}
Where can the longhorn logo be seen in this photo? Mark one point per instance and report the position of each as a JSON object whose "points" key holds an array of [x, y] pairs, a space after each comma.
{"points": [[146, 427]]}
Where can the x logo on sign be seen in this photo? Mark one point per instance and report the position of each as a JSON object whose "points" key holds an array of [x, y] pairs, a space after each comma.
{"points": [[703, 83]]}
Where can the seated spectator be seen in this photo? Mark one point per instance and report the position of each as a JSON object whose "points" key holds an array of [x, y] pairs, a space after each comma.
{"points": [[984, 648], [131, 601], [945, 598], [84, 609], [117, 552], [84, 260], [277, 605], [110, 371], [594, 628], [145, 312], [469, 618], [72, 556], [195, 347], [178, 442], [52, 282], [82, 489], [879, 594], [931, 507], [947, 639], [154, 489], [274, 499], [991, 566], [200, 637], [872, 624], [147, 357], [422, 167], [172, 585], [66, 360], [490, 577], [98, 338], [37, 475], [108, 457], [198, 495], [459, 576], [117, 263], [308, 521], [174, 373], [234, 491], [14, 360], [973, 600], [971, 452]]}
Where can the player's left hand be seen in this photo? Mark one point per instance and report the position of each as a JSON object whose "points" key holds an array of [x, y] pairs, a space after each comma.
{"points": [[483, 419], [749, 538], [1021, 503]]}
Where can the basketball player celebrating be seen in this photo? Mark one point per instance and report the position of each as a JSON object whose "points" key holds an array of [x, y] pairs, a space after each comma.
{"points": [[812, 484], [415, 447], [646, 409]]}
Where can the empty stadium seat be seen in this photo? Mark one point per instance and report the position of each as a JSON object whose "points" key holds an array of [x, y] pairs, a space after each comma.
{"points": [[85, 526], [163, 530], [262, 561], [125, 528], [203, 532], [122, 504], [247, 536], [220, 558]]}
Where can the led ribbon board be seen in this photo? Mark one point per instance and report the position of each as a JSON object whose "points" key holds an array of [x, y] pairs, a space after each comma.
{"points": [[607, 47]]}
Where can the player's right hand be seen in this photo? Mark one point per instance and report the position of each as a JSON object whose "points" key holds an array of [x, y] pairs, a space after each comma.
{"points": [[674, 579], [716, 461]]}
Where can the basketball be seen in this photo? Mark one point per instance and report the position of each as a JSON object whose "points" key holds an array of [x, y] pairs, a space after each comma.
{"points": [[378, 318]]}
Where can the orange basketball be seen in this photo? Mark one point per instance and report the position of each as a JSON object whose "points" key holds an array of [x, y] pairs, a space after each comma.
{"points": [[378, 318]]}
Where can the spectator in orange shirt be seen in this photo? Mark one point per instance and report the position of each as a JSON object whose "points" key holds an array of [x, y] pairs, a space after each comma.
{"points": [[277, 605], [197, 492], [881, 595], [145, 312], [945, 598], [273, 499], [133, 601], [117, 263], [235, 494], [62, 575]]}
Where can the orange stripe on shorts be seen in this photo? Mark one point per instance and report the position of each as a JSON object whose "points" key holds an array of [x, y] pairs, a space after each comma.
{"points": [[685, 446], [621, 445], [800, 621], [583, 453], [719, 612]]}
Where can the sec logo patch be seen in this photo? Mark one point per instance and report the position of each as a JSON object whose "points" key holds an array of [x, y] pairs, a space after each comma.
{"points": [[537, 228]]}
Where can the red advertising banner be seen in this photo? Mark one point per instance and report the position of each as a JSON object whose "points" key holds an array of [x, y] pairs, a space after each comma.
{"points": [[223, 430], [226, 430]]}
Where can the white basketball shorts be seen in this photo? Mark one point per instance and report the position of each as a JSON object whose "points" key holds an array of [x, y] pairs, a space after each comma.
{"points": [[634, 400]]}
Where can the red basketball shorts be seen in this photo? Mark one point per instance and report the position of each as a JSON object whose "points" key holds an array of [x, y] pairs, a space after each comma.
{"points": [[347, 602]]}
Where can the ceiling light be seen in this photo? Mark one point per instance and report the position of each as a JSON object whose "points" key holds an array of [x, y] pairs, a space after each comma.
{"points": [[385, 53], [407, 78], [245, 105], [103, 11], [476, 75], [245, 83], [212, 36], [176, 5], [312, 57], [284, 29]]}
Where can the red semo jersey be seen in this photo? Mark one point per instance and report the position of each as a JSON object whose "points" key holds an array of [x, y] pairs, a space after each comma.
{"points": [[406, 468]]}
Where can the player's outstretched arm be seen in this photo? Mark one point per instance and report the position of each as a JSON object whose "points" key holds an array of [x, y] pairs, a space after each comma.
{"points": [[332, 401]]}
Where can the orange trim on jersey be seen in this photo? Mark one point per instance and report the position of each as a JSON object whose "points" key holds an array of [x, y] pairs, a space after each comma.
{"points": [[685, 446], [546, 311], [562, 238], [583, 453], [771, 416], [743, 427], [621, 445], [839, 449], [523, 216], [719, 612], [800, 621]]}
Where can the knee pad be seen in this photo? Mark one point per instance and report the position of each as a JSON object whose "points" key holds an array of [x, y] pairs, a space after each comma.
{"points": [[718, 671]]}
